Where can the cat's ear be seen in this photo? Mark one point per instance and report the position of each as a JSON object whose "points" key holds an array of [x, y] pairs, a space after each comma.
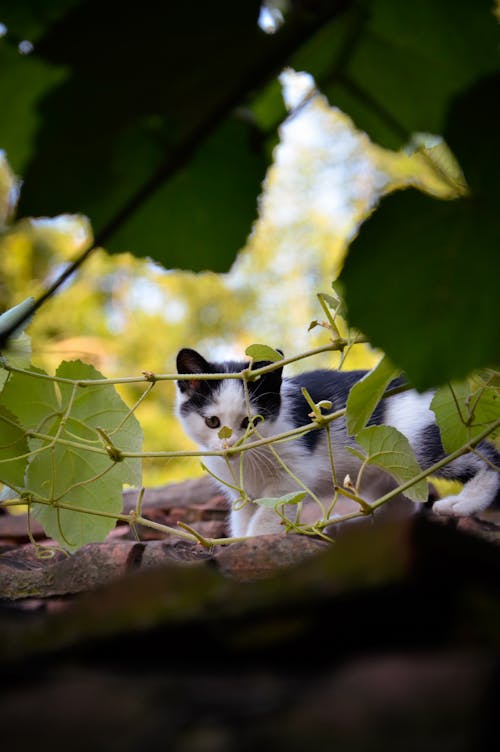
{"points": [[271, 380], [262, 363], [190, 361]]}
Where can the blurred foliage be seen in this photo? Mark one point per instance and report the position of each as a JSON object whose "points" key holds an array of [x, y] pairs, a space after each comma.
{"points": [[449, 252], [142, 105]]}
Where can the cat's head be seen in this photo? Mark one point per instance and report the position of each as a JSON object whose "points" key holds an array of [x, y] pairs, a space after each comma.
{"points": [[205, 405]]}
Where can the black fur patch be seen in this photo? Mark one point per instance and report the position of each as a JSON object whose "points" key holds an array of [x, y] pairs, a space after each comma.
{"points": [[431, 451], [322, 384], [265, 392]]}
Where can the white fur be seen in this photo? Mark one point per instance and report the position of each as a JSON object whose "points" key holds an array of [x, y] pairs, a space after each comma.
{"points": [[475, 496], [410, 413]]}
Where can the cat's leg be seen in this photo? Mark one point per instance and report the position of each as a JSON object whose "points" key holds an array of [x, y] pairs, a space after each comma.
{"points": [[264, 521], [476, 495], [241, 518]]}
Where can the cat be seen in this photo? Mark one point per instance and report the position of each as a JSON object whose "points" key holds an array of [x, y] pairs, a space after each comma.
{"points": [[205, 406]]}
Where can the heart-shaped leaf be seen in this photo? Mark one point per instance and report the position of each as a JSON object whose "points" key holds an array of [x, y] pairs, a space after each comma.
{"points": [[387, 448]]}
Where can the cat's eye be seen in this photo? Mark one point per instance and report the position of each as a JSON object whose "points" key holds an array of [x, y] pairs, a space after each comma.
{"points": [[212, 421], [244, 423]]}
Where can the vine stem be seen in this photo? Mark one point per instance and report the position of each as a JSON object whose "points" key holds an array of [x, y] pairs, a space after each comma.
{"points": [[339, 344], [130, 519], [275, 439]]}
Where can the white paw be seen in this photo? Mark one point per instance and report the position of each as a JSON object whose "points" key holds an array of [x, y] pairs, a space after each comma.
{"points": [[457, 506]]}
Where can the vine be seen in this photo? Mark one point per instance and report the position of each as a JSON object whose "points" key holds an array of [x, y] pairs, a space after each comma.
{"points": [[68, 442]]}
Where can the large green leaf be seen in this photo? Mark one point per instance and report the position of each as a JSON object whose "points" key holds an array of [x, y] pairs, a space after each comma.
{"points": [[144, 115], [387, 448], [13, 446], [131, 110], [421, 278], [33, 400], [404, 68], [366, 394], [56, 474], [101, 407], [24, 81], [200, 217], [463, 410], [75, 474]]}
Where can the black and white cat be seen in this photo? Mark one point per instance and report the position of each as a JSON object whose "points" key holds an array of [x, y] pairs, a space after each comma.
{"points": [[204, 406]]}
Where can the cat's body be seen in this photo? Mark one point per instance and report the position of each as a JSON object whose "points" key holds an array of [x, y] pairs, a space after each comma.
{"points": [[204, 406]]}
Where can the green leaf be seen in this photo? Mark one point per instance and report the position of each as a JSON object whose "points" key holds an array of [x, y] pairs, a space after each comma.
{"points": [[75, 475], [440, 318], [387, 448], [438, 154], [24, 82], [273, 503], [179, 231], [419, 278], [339, 296], [18, 351], [366, 394], [176, 163], [33, 400], [263, 352], [13, 444], [463, 410], [102, 407], [225, 432], [55, 474], [400, 77], [332, 302], [356, 453]]}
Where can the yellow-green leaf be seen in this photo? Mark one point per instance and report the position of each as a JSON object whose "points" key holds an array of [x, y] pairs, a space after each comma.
{"points": [[366, 393], [263, 352], [274, 502]]}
